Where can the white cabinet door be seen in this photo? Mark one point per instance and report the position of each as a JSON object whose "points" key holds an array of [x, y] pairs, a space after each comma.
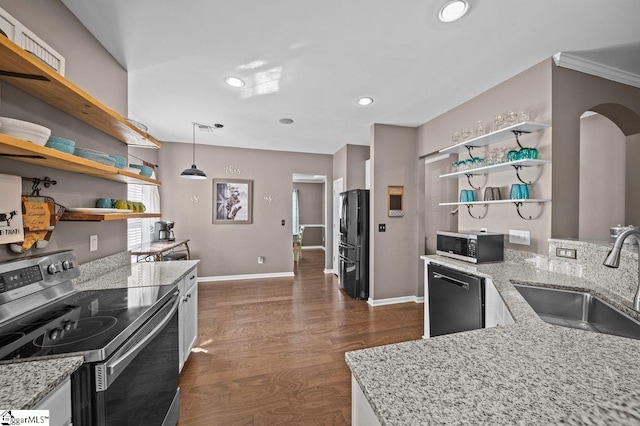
{"points": [[188, 314], [190, 321], [361, 412], [496, 312], [58, 402]]}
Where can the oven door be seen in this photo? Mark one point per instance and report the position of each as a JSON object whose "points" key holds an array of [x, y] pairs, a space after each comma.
{"points": [[138, 384]]}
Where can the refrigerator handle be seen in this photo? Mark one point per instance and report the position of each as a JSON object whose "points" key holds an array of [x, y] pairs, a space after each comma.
{"points": [[343, 217]]}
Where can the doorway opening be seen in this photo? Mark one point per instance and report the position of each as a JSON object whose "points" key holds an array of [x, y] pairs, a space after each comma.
{"points": [[309, 203]]}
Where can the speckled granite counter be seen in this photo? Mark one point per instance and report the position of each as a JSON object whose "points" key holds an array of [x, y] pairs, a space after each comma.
{"points": [[139, 274], [526, 373], [25, 383]]}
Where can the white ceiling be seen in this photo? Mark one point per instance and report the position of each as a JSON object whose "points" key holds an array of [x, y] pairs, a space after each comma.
{"points": [[310, 60]]}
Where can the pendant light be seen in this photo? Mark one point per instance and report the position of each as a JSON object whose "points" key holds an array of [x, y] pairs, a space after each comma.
{"points": [[193, 172]]}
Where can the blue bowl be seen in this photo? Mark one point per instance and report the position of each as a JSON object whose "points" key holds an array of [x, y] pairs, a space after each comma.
{"points": [[61, 147], [144, 170], [60, 141], [121, 162]]}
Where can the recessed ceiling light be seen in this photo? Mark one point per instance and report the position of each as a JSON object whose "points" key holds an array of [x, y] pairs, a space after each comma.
{"points": [[453, 10], [364, 101], [234, 81], [286, 121]]}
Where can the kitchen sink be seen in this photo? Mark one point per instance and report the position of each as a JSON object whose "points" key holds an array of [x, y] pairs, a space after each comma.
{"points": [[576, 309]]}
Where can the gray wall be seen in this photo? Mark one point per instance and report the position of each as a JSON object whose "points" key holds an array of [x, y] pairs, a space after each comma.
{"points": [[632, 201], [602, 187], [529, 90], [90, 67], [312, 211], [228, 249], [349, 164], [394, 254], [573, 94]]}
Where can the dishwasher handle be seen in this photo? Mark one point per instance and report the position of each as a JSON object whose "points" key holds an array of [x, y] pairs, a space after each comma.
{"points": [[451, 280]]}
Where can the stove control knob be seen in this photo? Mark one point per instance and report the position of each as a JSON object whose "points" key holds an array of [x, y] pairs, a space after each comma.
{"points": [[66, 265], [54, 334], [67, 326], [53, 268]]}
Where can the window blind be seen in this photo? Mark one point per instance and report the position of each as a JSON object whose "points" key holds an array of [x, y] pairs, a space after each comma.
{"points": [[134, 226]]}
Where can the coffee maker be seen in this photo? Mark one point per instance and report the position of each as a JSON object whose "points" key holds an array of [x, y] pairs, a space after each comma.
{"points": [[163, 231]]}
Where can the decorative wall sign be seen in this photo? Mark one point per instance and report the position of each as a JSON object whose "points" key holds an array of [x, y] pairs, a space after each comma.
{"points": [[11, 226], [268, 198], [232, 201], [232, 170]]}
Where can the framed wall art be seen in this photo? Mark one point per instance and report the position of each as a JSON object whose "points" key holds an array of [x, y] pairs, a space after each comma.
{"points": [[232, 201]]}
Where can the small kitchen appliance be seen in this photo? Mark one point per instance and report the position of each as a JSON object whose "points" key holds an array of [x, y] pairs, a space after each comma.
{"points": [[471, 246], [163, 230], [126, 335]]}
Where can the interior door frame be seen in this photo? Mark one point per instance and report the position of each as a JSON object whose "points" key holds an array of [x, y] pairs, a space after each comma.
{"points": [[338, 187]]}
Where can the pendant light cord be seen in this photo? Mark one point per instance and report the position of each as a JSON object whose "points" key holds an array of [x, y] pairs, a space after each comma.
{"points": [[194, 144]]}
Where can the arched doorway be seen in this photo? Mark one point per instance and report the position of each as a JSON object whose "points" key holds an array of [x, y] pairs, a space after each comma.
{"points": [[609, 154]]}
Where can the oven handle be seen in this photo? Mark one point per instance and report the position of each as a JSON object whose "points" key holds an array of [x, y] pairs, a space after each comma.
{"points": [[122, 362]]}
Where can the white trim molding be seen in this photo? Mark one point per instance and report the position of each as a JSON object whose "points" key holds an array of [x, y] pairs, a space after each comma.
{"points": [[245, 277], [329, 271], [313, 248], [395, 300], [587, 66]]}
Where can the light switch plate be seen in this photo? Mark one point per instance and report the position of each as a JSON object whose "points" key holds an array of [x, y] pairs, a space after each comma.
{"points": [[93, 243], [520, 237]]}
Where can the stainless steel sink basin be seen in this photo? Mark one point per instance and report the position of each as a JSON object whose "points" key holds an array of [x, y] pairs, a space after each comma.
{"points": [[580, 310]]}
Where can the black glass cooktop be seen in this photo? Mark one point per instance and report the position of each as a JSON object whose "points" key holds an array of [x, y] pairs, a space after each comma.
{"points": [[87, 321]]}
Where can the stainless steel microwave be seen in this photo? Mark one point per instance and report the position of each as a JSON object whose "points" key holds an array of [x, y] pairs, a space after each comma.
{"points": [[471, 246]]}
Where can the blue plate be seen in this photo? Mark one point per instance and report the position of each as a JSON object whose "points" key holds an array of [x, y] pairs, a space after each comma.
{"points": [[144, 170]]}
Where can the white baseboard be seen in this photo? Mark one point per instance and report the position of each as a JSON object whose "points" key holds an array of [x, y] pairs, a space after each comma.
{"points": [[330, 271], [313, 248], [246, 277], [395, 300]]}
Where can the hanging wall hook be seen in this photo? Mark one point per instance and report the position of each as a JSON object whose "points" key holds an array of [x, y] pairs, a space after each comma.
{"points": [[35, 188]]}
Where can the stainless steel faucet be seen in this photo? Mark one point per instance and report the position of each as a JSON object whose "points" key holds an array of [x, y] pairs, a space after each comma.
{"points": [[613, 258]]}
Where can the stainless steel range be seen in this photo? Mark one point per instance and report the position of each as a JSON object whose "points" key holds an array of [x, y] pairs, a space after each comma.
{"points": [[128, 336]]}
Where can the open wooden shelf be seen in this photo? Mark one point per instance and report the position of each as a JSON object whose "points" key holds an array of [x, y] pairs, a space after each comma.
{"points": [[94, 217], [47, 85], [27, 152]]}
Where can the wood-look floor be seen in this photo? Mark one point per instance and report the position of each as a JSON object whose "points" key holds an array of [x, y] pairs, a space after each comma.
{"points": [[271, 351]]}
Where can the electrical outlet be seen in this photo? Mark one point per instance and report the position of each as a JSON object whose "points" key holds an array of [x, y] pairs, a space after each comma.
{"points": [[282, 222], [93, 243], [565, 252], [261, 259], [520, 237], [382, 227]]}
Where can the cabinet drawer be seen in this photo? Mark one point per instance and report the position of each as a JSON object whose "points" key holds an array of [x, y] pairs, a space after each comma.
{"points": [[190, 280]]}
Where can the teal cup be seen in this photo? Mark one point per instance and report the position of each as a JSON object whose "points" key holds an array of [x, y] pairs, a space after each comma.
{"points": [[516, 192], [524, 191], [105, 203]]}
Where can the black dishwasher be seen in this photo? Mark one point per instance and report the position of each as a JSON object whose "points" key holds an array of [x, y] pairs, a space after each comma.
{"points": [[456, 301]]}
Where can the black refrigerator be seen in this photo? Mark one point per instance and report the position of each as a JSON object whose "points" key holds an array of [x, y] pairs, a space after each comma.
{"points": [[354, 243]]}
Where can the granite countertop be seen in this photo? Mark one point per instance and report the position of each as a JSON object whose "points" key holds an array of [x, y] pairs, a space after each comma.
{"points": [[139, 275], [526, 373], [25, 383]]}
